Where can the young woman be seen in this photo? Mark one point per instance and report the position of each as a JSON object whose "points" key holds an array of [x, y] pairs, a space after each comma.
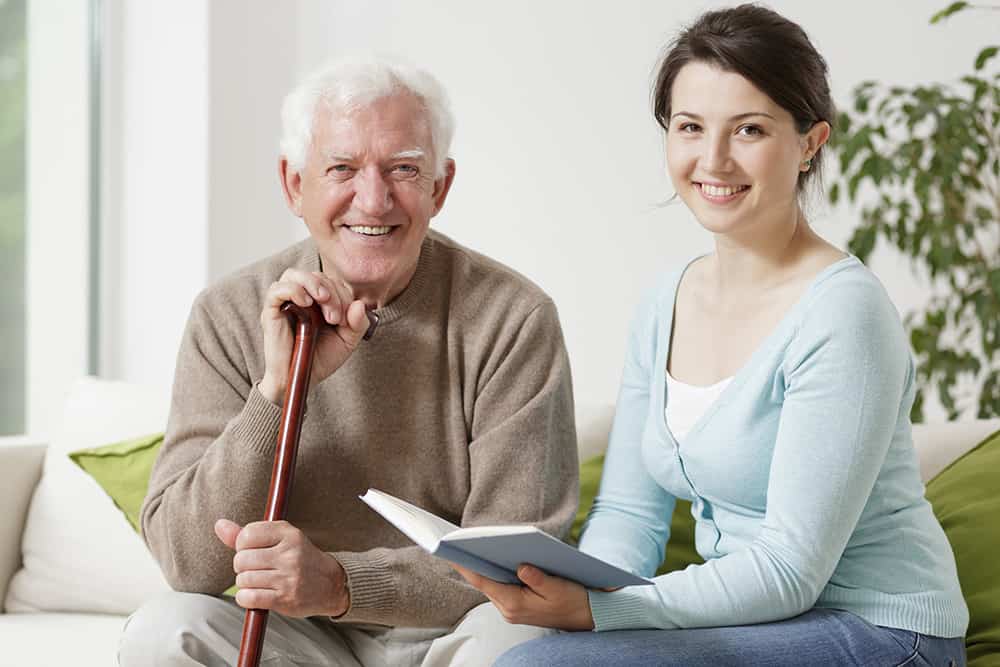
{"points": [[769, 383]]}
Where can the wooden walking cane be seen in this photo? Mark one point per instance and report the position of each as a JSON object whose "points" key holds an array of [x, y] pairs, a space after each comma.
{"points": [[307, 324]]}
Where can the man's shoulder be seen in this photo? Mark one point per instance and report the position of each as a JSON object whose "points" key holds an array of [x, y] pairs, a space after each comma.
{"points": [[478, 275]]}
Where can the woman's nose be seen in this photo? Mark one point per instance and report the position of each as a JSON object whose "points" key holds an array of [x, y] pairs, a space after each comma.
{"points": [[715, 155]]}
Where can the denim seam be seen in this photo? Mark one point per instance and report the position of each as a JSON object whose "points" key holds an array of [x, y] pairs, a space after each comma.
{"points": [[916, 651]]}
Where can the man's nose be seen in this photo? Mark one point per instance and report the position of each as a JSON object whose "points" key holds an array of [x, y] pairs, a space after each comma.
{"points": [[372, 195]]}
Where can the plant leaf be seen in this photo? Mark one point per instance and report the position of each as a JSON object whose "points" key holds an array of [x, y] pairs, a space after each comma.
{"points": [[948, 11], [984, 56], [863, 241]]}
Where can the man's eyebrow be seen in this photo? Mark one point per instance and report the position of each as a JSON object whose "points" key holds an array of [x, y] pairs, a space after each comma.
{"points": [[412, 154], [739, 116]]}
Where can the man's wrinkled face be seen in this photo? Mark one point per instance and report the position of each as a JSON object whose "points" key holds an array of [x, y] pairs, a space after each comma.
{"points": [[367, 193]]}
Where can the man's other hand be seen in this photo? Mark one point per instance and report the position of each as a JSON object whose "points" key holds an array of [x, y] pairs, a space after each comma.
{"points": [[278, 568]]}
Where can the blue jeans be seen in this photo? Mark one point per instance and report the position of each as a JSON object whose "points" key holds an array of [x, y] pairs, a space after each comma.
{"points": [[817, 637]]}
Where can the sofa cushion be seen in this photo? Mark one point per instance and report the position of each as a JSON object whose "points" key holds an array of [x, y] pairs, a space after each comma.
{"points": [[940, 443], [21, 466], [966, 500], [78, 553], [57, 640]]}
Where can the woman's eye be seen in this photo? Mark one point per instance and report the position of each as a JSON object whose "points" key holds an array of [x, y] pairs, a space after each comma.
{"points": [[689, 127], [750, 131]]}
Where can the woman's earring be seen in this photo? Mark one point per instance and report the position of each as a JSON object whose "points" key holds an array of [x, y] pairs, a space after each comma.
{"points": [[806, 164]]}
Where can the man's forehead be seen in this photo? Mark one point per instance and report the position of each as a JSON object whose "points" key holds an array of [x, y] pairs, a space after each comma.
{"points": [[392, 126]]}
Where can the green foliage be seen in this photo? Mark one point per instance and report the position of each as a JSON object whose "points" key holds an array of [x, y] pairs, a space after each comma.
{"points": [[12, 232], [924, 162]]}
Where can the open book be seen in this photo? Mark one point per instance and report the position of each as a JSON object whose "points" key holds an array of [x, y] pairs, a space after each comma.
{"points": [[496, 551]]}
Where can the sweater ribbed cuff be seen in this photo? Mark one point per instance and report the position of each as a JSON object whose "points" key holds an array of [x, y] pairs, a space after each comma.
{"points": [[624, 609], [369, 581], [258, 424]]}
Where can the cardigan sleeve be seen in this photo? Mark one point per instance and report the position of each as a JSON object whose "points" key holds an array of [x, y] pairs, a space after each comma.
{"points": [[629, 523], [845, 376]]}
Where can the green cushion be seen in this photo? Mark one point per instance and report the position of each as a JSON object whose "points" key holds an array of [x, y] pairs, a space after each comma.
{"points": [[680, 549], [122, 470], [966, 500]]}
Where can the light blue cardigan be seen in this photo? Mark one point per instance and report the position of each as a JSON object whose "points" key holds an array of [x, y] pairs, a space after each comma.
{"points": [[803, 477]]}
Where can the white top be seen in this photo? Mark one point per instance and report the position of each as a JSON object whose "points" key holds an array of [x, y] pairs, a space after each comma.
{"points": [[686, 403]]}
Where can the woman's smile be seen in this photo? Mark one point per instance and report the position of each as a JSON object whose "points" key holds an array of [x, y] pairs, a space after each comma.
{"points": [[720, 193]]}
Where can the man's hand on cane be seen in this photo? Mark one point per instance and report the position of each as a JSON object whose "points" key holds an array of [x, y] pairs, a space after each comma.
{"points": [[279, 569], [334, 345]]}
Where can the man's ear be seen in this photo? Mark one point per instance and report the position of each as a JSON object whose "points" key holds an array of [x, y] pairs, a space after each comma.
{"points": [[443, 185], [291, 185]]}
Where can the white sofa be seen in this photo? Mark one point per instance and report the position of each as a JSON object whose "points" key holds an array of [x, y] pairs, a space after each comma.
{"points": [[72, 569]]}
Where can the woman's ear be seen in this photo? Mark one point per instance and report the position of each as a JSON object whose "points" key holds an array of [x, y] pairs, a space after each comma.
{"points": [[814, 139]]}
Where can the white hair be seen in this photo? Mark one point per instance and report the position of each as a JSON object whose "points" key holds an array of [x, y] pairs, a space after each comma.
{"points": [[347, 85]]}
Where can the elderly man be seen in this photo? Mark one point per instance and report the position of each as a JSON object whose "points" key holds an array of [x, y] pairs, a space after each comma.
{"points": [[460, 403]]}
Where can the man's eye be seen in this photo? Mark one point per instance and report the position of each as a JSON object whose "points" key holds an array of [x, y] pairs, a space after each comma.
{"points": [[405, 171], [341, 168]]}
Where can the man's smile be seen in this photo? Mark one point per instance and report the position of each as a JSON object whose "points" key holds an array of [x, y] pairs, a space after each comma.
{"points": [[367, 230]]}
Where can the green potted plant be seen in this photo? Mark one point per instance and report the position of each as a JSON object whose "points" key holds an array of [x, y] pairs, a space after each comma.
{"points": [[924, 164]]}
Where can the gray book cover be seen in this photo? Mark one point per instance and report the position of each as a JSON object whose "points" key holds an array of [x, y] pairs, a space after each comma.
{"points": [[497, 551]]}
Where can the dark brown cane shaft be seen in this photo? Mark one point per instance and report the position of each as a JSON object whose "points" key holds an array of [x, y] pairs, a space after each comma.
{"points": [[307, 323]]}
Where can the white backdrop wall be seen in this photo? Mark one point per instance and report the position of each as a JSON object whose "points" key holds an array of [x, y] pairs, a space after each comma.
{"points": [[560, 165]]}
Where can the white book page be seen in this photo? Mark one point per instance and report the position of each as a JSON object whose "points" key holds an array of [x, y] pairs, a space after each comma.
{"points": [[491, 531], [419, 525]]}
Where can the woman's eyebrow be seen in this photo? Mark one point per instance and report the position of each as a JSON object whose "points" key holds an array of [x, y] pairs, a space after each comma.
{"points": [[739, 116]]}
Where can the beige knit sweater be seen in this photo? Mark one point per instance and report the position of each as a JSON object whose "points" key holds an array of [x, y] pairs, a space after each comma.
{"points": [[461, 403]]}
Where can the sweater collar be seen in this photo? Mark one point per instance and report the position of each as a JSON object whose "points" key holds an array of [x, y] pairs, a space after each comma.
{"points": [[411, 295]]}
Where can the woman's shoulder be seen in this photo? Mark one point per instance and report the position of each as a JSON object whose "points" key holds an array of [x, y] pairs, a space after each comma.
{"points": [[848, 297], [850, 285]]}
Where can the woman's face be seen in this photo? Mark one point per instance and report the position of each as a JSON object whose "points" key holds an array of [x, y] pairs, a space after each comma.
{"points": [[734, 155]]}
